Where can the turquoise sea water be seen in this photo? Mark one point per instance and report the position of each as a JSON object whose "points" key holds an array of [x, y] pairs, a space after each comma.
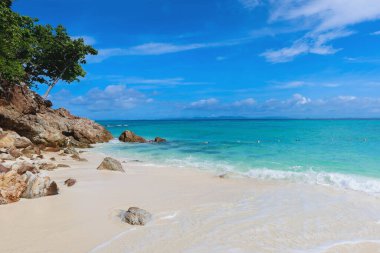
{"points": [[344, 153]]}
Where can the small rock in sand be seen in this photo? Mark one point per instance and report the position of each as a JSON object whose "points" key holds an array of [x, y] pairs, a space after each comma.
{"points": [[70, 182], [61, 165], [137, 216], [78, 158], [48, 166]]}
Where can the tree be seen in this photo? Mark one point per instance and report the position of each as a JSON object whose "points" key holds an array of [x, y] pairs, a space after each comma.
{"points": [[58, 57], [16, 40], [32, 54]]}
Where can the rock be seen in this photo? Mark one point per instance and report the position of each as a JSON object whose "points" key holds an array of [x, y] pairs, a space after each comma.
{"points": [[48, 166], [12, 185], [16, 153], [159, 140], [61, 165], [52, 158], [30, 151], [4, 169], [111, 164], [129, 136], [70, 151], [10, 139], [52, 149], [76, 157], [22, 167], [37, 186], [70, 182], [7, 157], [22, 142], [137, 216], [27, 113]]}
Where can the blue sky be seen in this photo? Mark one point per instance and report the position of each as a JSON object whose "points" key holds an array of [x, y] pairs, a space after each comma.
{"points": [[208, 58]]}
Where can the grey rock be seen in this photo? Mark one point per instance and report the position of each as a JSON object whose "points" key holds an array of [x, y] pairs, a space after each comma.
{"points": [[137, 216], [110, 163]]}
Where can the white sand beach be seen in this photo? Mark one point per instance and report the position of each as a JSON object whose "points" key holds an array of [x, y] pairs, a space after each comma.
{"points": [[193, 211]]}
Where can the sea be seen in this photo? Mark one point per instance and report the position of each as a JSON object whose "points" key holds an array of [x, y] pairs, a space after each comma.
{"points": [[337, 153]]}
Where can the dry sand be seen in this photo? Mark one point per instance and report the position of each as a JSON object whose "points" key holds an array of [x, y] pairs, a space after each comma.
{"points": [[193, 211]]}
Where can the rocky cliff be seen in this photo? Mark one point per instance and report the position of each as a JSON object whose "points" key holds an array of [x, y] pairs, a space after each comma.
{"points": [[28, 114]]}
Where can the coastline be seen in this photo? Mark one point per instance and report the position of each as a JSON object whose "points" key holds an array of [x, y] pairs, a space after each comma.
{"points": [[193, 211]]}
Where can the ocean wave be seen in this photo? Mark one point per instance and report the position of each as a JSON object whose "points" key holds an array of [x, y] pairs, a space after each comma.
{"points": [[342, 181], [338, 180]]}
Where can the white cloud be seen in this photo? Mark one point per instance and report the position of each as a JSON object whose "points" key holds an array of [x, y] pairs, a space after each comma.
{"points": [[177, 81], [299, 99], [250, 4], [376, 33], [87, 39], [346, 98], [291, 85], [327, 20], [310, 43], [112, 97], [245, 102], [154, 48], [203, 103]]}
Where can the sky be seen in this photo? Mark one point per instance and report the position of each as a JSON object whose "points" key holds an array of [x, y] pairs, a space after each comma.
{"points": [[162, 59]]}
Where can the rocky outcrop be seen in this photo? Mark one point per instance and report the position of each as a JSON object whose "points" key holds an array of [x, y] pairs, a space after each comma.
{"points": [[129, 136], [37, 186], [111, 164], [137, 216], [28, 114]]}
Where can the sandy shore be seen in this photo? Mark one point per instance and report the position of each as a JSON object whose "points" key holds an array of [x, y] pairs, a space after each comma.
{"points": [[192, 211]]}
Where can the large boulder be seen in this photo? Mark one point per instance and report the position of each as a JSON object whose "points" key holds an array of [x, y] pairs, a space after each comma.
{"points": [[9, 139], [28, 114], [129, 136], [137, 216], [12, 185], [37, 186], [111, 164]]}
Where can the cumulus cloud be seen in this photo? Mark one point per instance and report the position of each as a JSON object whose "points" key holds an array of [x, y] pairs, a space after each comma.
{"points": [[245, 102], [328, 20], [203, 103]]}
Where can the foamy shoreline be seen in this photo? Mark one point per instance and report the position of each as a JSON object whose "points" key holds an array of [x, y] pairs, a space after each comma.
{"points": [[193, 212]]}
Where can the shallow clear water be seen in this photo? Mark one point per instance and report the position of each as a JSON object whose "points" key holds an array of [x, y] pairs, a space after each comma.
{"points": [[344, 153]]}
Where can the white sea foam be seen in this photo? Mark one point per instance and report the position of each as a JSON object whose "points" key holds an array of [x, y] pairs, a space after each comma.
{"points": [[343, 181]]}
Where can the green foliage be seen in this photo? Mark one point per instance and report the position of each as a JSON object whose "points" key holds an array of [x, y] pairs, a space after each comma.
{"points": [[31, 53]]}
